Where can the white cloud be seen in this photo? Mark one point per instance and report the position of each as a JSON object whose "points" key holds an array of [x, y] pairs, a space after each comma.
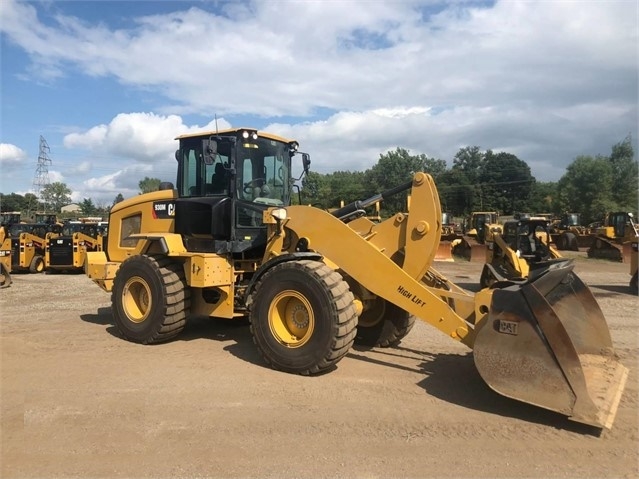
{"points": [[546, 81], [339, 55], [11, 156]]}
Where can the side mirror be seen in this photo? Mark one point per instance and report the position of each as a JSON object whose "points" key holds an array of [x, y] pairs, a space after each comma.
{"points": [[209, 150], [306, 162], [177, 155]]}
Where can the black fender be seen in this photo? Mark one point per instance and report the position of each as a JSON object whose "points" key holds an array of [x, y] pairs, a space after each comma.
{"points": [[273, 262]]}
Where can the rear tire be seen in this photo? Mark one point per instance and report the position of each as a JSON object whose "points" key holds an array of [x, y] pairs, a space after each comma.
{"points": [[37, 264], [383, 325], [150, 300], [302, 317], [634, 284]]}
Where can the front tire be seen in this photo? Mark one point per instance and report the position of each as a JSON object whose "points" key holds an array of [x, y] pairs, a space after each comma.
{"points": [[383, 325], [37, 264], [302, 317], [150, 300]]}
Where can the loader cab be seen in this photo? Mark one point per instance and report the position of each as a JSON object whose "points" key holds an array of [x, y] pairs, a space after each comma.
{"points": [[225, 181], [9, 217], [480, 222], [570, 219], [529, 237]]}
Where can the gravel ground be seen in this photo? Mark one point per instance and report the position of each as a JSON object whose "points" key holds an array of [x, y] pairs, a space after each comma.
{"points": [[78, 401]]}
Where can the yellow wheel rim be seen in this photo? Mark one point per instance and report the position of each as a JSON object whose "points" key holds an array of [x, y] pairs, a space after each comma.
{"points": [[136, 299], [291, 319]]}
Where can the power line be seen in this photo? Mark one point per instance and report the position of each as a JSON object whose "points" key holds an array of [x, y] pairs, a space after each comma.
{"points": [[41, 177]]}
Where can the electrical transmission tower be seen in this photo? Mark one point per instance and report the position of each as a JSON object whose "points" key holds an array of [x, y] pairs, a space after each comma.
{"points": [[41, 177]]}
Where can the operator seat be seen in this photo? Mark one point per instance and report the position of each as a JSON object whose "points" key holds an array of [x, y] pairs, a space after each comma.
{"points": [[218, 180]]}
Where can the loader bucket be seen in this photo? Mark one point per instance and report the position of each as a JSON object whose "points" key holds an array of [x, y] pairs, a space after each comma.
{"points": [[546, 342], [444, 251], [470, 250]]}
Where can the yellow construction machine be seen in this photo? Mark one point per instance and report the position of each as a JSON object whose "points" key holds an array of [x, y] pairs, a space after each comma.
{"points": [[479, 227], [568, 233], [313, 282], [7, 219], [634, 261], [67, 250], [614, 238], [450, 237], [519, 251], [28, 245], [5, 257]]}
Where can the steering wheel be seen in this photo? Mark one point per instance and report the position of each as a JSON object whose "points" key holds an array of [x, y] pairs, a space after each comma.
{"points": [[256, 182]]}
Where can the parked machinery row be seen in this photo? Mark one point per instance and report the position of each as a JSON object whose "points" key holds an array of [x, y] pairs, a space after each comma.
{"points": [[46, 245]]}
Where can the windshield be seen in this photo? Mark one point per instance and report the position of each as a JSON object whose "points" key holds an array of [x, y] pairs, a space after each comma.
{"points": [[265, 175], [572, 220], [262, 166]]}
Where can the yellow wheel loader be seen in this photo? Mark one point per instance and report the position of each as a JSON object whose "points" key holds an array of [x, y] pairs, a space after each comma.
{"points": [[313, 282], [480, 226], [67, 250], [568, 233], [5, 257], [613, 239], [523, 248]]}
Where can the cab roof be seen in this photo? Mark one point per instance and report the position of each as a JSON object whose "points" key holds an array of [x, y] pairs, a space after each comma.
{"points": [[263, 134]]}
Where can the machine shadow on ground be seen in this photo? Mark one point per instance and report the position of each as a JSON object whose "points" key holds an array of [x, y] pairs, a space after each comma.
{"points": [[453, 378]]}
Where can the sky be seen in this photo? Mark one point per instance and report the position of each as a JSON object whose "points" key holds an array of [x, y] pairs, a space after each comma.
{"points": [[110, 84]]}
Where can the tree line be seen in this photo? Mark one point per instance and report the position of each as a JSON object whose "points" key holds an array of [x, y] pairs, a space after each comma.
{"points": [[488, 181], [477, 181]]}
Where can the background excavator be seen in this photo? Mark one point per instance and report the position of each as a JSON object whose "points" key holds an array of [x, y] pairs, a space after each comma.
{"points": [[313, 283]]}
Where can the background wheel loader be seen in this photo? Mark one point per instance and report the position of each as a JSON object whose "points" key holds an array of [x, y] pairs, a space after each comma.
{"points": [[305, 277], [568, 233], [479, 227], [523, 247], [613, 240]]}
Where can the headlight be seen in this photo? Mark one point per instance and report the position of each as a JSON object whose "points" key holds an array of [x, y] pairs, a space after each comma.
{"points": [[279, 214], [249, 134]]}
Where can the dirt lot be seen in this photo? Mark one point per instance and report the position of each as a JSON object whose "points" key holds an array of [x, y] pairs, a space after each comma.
{"points": [[77, 401]]}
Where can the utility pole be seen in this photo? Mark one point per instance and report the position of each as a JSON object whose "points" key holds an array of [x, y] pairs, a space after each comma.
{"points": [[41, 177]]}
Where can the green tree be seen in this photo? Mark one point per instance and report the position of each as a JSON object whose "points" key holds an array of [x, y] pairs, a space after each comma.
{"points": [[625, 176], [13, 202], [118, 198], [395, 168], [456, 192], [56, 195], [586, 188], [147, 185], [544, 198], [506, 183], [87, 207]]}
